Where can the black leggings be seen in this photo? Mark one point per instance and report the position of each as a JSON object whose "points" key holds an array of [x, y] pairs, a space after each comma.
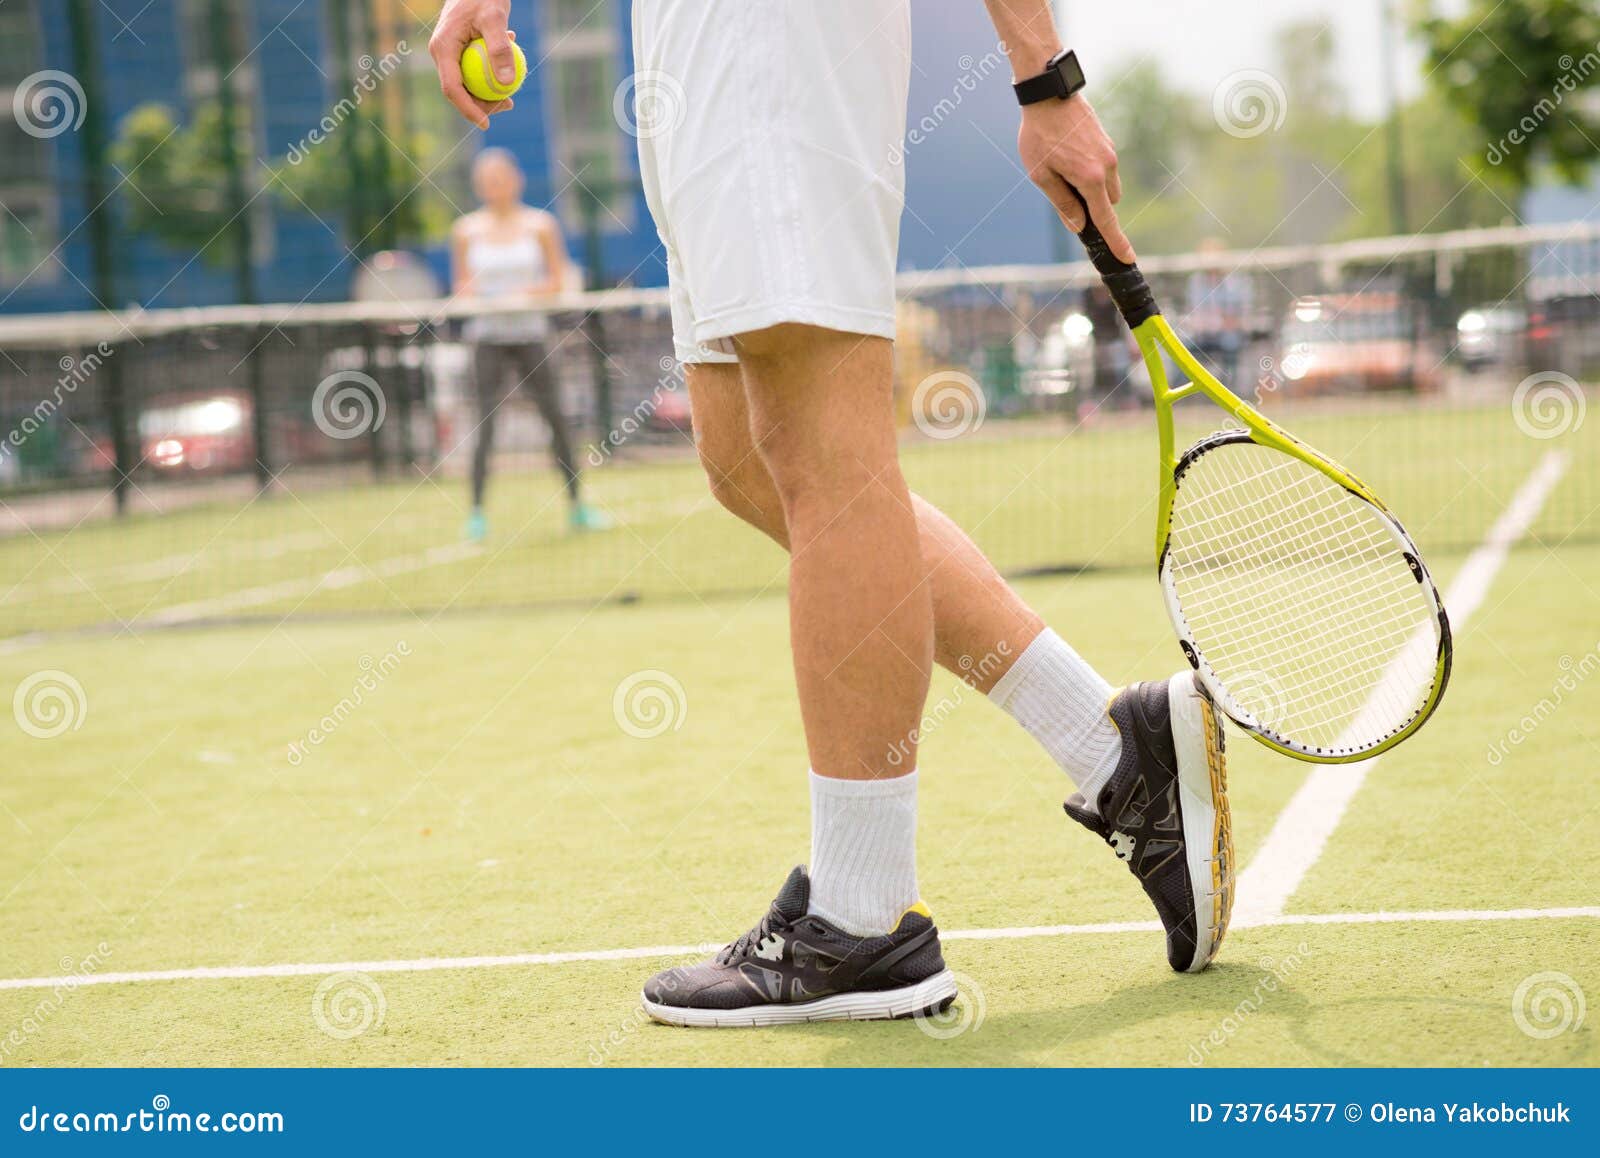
{"points": [[500, 369]]}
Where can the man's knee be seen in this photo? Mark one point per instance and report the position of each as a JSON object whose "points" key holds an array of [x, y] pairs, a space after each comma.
{"points": [[734, 471], [821, 410], [741, 485]]}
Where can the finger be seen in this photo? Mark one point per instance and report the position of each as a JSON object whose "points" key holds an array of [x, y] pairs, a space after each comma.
{"points": [[500, 57], [1067, 205], [1106, 218], [1114, 184], [456, 93]]}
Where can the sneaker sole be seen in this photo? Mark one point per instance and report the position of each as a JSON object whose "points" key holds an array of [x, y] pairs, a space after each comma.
{"points": [[1207, 820], [928, 996]]}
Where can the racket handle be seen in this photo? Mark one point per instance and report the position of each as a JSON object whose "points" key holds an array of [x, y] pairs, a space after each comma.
{"points": [[1126, 284]]}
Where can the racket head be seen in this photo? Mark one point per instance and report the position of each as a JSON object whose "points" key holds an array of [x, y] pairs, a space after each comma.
{"points": [[1303, 605]]}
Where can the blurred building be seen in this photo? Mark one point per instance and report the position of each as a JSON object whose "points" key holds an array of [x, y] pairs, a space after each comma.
{"points": [[292, 61]]}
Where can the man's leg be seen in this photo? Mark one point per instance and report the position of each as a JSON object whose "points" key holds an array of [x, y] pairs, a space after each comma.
{"points": [[861, 619], [1151, 742], [980, 624], [983, 630]]}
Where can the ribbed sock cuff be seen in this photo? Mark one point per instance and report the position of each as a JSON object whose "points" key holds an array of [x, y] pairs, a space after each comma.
{"points": [[863, 851]]}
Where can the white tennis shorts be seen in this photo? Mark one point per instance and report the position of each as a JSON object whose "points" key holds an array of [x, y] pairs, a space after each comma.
{"points": [[770, 146]]}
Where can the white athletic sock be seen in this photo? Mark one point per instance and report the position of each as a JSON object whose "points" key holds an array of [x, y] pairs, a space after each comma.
{"points": [[863, 852], [1061, 701]]}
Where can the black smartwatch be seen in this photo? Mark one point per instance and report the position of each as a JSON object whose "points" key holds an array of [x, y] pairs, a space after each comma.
{"points": [[1060, 79]]}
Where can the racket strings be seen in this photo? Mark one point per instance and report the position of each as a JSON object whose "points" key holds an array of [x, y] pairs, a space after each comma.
{"points": [[1277, 637], [1276, 607], [1299, 598]]}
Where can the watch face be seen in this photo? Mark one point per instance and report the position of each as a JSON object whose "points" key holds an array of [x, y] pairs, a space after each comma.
{"points": [[1070, 72]]}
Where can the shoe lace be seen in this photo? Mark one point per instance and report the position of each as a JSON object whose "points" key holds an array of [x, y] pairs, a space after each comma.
{"points": [[742, 946]]}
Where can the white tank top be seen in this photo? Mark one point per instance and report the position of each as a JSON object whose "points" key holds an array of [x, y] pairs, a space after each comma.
{"points": [[503, 269]]}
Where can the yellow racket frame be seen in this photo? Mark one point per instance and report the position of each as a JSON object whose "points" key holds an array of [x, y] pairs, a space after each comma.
{"points": [[1155, 337]]}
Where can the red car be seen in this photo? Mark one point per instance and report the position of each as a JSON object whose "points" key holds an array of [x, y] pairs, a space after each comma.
{"points": [[1362, 341]]}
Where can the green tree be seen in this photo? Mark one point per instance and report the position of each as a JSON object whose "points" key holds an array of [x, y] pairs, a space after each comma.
{"points": [[176, 175], [1155, 127], [1445, 187], [1524, 74], [334, 176]]}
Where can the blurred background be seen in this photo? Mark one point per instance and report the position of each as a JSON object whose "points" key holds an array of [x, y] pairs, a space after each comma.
{"points": [[233, 382]]}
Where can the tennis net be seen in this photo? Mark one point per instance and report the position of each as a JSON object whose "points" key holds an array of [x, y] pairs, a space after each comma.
{"points": [[189, 465]]}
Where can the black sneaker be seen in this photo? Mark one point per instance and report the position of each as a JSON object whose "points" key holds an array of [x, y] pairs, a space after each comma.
{"points": [[796, 967], [1165, 812]]}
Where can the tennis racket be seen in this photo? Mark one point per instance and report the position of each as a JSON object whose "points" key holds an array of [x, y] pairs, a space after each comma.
{"points": [[1300, 601]]}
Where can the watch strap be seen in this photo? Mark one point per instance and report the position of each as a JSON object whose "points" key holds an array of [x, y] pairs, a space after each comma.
{"points": [[1060, 79]]}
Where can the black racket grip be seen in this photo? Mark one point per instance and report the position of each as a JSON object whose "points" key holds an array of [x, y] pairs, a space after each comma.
{"points": [[1123, 281]]}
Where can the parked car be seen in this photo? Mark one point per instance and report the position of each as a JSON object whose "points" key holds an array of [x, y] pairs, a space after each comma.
{"points": [[1062, 360], [1357, 341], [1564, 334], [1491, 336], [197, 433], [213, 432]]}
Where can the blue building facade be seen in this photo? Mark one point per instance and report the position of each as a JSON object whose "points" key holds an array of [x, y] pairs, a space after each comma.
{"points": [[288, 80], [968, 201]]}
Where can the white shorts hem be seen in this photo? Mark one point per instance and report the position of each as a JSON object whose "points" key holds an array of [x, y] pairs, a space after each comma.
{"points": [[720, 328]]}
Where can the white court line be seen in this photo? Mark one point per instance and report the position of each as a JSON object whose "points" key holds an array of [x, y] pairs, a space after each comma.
{"points": [[1303, 828], [431, 964], [291, 588]]}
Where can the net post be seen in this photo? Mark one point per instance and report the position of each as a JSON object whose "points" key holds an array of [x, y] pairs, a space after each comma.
{"points": [[123, 449], [369, 363], [255, 383]]}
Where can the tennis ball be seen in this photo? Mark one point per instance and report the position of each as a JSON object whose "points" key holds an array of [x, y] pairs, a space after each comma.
{"points": [[479, 77]]}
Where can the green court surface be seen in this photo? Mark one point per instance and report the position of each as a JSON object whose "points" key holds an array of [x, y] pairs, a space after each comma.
{"points": [[484, 800], [1045, 493]]}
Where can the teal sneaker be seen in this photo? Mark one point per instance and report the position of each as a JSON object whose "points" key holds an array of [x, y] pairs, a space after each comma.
{"points": [[477, 529], [583, 517]]}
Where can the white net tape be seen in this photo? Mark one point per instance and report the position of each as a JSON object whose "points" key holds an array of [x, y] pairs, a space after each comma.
{"points": [[1300, 599]]}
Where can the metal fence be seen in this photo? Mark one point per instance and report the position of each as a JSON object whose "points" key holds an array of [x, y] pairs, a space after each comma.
{"points": [[151, 461]]}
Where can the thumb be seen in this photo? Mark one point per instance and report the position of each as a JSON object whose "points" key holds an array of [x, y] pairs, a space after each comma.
{"points": [[500, 56]]}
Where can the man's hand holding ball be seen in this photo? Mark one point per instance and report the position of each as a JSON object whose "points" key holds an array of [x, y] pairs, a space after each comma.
{"points": [[478, 61]]}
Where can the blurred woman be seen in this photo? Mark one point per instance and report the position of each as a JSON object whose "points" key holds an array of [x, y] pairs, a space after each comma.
{"points": [[508, 251]]}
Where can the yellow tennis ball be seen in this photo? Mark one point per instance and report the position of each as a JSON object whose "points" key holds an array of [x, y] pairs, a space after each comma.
{"points": [[479, 77]]}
